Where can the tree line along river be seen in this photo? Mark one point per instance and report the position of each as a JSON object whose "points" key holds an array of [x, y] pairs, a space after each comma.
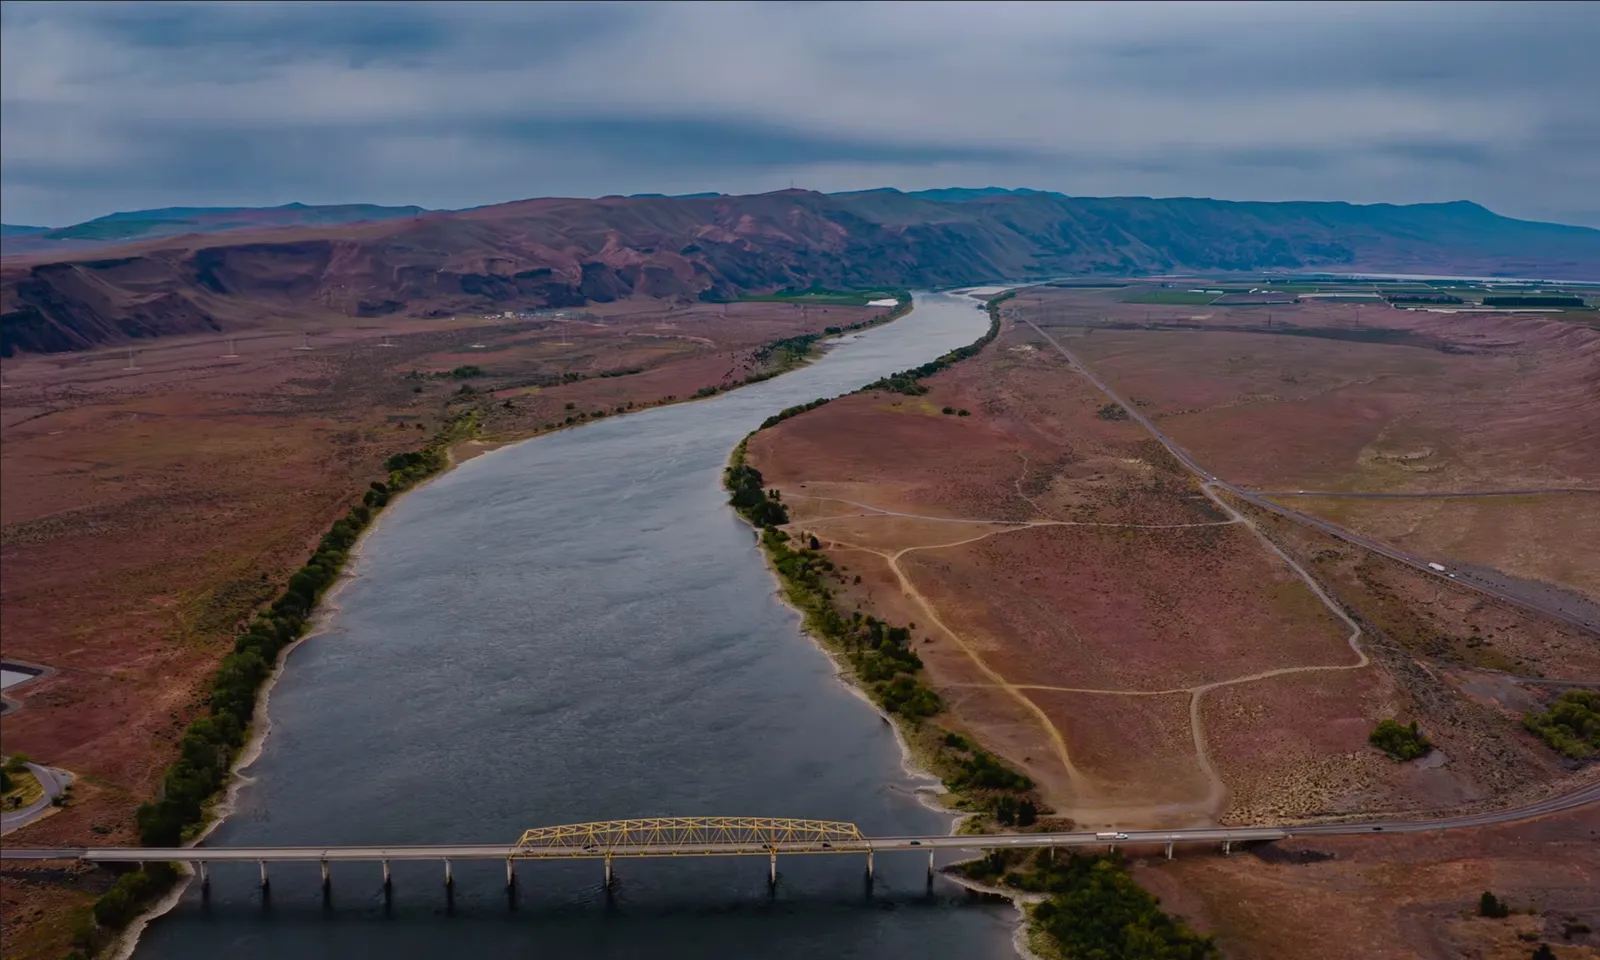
{"points": [[578, 628]]}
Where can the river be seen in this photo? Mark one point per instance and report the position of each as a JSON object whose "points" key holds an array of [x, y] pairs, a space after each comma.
{"points": [[578, 628]]}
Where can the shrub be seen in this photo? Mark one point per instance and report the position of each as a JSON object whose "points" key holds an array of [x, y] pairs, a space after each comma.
{"points": [[1490, 905], [1400, 742], [1096, 910], [1571, 725], [1112, 411]]}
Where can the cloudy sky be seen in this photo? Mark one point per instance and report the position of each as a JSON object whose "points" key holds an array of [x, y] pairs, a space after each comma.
{"points": [[127, 106]]}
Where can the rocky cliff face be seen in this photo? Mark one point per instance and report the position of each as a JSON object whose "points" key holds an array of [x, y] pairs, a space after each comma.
{"points": [[557, 252]]}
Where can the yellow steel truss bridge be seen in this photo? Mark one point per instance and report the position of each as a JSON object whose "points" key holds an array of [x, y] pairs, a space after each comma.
{"points": [[691, 836]]}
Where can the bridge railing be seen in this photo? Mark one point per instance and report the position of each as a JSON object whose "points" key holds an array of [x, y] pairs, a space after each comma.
{"points": [[666, 836]]}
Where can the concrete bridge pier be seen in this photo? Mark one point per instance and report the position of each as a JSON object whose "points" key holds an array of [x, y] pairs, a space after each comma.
{"points": [[1227, 847], [265, 883], [449, 879], [511, 874], [869, 876], [388, 887], [205, 880], [772, 874], [327, 881], [930, 871], [608, 871], [1169, 849]]}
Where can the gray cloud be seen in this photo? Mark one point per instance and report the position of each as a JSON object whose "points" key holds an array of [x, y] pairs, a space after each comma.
{"points": [[121, 106]]}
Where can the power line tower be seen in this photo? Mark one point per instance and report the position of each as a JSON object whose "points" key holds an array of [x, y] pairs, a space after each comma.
{"points": [[233, 353], [305, 341], [132, 365]]}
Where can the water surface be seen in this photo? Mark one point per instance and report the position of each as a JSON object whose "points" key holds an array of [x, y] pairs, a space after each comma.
{"points": [[578, 628]]}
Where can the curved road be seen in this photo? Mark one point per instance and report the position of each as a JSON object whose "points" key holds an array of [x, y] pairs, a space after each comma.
{"points": [[1464, 577], [53, 781]]}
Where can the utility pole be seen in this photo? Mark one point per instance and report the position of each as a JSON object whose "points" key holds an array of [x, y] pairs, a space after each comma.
{"points": [[232, 353], [131, 364]]}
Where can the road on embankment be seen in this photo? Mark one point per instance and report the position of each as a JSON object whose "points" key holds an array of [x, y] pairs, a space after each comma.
{"points": [[54, 783], [1581, 797], [1466, 577]]}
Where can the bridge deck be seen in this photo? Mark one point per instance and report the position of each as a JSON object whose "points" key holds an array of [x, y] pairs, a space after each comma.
{"points": [[514, 852]]}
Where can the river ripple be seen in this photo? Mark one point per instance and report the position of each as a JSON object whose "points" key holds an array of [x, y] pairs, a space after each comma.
{"points": [[578, 628]]}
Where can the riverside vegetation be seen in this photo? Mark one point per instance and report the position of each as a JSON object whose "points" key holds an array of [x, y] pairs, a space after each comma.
{"points": [[1094, 908], [212, 742]]}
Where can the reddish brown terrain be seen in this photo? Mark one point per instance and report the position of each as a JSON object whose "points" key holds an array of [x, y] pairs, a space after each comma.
{"points": [[562, 252], [1151, 655], [1398, 897], [147, 512]]}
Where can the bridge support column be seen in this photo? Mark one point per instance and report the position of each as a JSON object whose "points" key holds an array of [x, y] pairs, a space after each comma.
{"points": [[772, 872], [930, 869], [449, 879], [265, 883], [1169, 849], [869, 865], [387, 886], [608, 871], [327, 881], [511, 874], [1227, 847], [205, 879]]}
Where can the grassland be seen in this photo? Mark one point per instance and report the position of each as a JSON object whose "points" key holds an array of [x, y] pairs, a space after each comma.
{"points": [[1149, 657]]}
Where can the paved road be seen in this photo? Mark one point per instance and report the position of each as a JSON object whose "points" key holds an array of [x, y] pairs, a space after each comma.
{"points": [[1583, 796], [1446, 495], [1464, 577], [53, 781]]}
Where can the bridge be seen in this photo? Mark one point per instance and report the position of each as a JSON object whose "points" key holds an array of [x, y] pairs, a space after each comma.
{"points": [[760, 836]]}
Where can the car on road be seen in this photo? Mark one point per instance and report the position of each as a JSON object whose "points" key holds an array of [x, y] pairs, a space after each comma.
{"points": [[916, 843]]}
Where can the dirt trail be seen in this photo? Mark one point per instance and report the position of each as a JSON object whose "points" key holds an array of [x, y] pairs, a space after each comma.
{"points": [[1216, 795]]}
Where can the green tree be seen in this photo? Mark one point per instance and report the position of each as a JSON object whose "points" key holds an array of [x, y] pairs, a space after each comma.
{"points": [[1400, 742], [1571, 725]]}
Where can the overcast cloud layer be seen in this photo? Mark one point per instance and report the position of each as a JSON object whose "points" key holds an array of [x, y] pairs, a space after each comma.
{"points": [[125, 106]]}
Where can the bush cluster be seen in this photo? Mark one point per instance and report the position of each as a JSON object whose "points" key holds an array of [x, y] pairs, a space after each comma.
{"points": [[1400, 742], [1571, 725], [1097, 910]]}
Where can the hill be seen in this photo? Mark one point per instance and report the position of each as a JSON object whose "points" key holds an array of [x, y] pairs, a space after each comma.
{"points": [[564, 252], [118, 228]]}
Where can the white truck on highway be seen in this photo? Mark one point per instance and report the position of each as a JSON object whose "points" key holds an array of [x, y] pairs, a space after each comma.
{"points": [[1438, 567], [1112, 835]]}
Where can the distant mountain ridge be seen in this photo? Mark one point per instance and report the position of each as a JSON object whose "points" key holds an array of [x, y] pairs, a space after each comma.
{"points": [[563, 251], [134, 225]]}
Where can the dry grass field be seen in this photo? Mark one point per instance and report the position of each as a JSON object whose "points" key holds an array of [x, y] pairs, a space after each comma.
{"points": [[1137, 648], [1151, 656]]}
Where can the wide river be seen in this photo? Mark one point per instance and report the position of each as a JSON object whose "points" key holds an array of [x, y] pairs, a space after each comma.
{"points": [[579, 628]]}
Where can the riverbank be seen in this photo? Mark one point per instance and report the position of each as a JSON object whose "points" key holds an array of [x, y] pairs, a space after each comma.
{"points": [[457, 443], [884, 661]]}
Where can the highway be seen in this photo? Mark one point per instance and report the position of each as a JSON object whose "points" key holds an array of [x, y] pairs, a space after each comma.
{"points": [[1464, 577], [1583, 796], [1443, 495], [53, 781]]}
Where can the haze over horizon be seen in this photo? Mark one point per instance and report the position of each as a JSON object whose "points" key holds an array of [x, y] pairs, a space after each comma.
{"points": [[123, 107]]}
